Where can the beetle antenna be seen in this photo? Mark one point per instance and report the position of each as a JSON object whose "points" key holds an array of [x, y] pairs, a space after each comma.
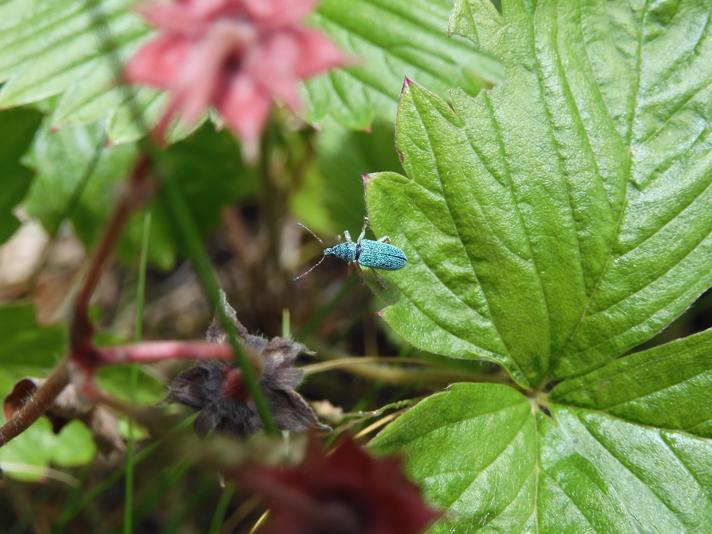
{"points": [[313, 234], [309, 270]]}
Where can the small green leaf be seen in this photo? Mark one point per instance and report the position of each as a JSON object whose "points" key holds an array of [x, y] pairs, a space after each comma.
{"points": [[16, 178], [32, 448], [559, 219], [668, 387], [27, 456], [74, 445], [492, 465], [391, 39]]}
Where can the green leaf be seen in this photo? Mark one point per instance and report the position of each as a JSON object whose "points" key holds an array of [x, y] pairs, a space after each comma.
{"points": [[27, 456], [391, 39], [208, 166], [24, 342], [668, 386], [16, 178], [74, 445], [556, 221], [114, 379], [492, 465], [62, 189], [58, 49], [342, 157]]}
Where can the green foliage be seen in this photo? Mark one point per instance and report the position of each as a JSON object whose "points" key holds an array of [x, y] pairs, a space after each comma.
{"points": [[25, 343], [483, 454], [391, 39], [553, 223], [331, 200], [207, 165], [149, 388], [16, 178], [27, 456], [56, 49], [560, 218], [668, 386]]}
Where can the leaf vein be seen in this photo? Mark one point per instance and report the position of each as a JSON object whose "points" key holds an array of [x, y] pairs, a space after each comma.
{"points": [[628, 468], [687, 469]]}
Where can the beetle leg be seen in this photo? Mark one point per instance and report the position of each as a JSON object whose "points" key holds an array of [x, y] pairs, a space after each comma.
{"points": [[385, 239], [363, 230], [347, 236], [338, 238]]}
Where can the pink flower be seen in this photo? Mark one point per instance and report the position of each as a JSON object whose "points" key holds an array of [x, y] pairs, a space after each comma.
{"points": [[236, 55]]}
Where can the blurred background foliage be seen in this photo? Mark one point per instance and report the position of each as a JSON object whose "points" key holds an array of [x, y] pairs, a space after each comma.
{"points": [[64, 153]]}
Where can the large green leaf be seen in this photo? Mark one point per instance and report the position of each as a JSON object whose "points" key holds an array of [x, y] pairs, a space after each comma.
{"points": [[391, 39], [494, 463], [561, 218], [18, 127], [208, 166]]}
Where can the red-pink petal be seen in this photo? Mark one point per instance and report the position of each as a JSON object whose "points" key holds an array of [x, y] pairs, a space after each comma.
{"points": [[173, 18], [245, 109], [318, 53], [273, 65], [276, 13], [158, 61]]}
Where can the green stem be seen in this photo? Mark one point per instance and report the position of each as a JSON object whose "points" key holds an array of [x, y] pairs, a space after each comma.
{"points": [[187, 229], [133, 379], [220, 510]]}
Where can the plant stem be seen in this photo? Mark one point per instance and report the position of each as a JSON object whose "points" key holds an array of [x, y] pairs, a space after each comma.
{"points": [[37, 405], [82, 350], [220, 510], [156, 351], [347, 362], [133, 379]]}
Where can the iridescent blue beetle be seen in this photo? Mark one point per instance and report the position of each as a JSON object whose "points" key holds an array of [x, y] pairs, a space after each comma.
{"points": [[362, 252]]}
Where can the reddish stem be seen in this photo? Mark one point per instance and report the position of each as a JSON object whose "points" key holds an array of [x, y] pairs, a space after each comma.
{"points": [[135, 192], [37, 404], [82, 350], [154, 351]]}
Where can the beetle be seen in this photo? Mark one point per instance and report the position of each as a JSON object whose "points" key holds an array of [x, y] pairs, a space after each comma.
{"points": [[379, 254]]}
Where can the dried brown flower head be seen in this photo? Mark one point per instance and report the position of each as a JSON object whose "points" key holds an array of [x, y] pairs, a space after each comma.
{"points": [[216, 388]]}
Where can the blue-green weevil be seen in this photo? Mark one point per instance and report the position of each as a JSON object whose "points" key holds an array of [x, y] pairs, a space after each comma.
{"points": [[363, 252]]}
